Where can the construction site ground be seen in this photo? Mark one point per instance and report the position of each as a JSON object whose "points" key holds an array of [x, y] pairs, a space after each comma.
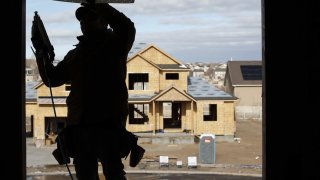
{"points": [[243, 156]]}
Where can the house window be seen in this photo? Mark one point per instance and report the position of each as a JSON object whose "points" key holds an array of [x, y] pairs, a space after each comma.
{"points": [[138, 81], [172, 76], [210, 112], [67, 87], [251, 72], [29, 71], [138, 113]]}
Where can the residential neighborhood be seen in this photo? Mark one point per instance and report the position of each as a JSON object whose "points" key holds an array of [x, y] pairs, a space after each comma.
{"points": [[165, 96], [173, 105]]}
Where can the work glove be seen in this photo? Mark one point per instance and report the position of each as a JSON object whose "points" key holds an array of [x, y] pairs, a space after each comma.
{"points": [[36, 39], [41, 50]]}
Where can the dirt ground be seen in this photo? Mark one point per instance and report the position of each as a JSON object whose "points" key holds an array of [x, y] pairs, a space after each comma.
{"points": [[243, 156], [232, 157]]}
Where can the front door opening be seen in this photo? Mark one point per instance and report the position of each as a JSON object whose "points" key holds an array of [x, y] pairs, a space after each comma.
{"points": [[171, 115], [53, 126]]}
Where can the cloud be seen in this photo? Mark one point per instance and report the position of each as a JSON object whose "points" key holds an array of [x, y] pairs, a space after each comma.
{"points": [[165, 7], [188, 29], [200, 43]]}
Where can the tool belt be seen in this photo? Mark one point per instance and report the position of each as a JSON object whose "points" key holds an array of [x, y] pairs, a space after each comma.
{"points": [[65, 147]]}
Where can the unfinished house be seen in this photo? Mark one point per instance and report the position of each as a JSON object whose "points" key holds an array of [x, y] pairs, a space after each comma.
{"points": [[162, 99], [47, 121]]}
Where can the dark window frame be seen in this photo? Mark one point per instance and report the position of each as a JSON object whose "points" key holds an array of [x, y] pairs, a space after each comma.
{"points": [[172, 76], [213, 113], [138, 77], [136, 120], [67, 87]]}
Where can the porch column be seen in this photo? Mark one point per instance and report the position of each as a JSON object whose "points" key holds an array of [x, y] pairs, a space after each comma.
{"points": [[192, 122], [155, 117], [158, 114]]}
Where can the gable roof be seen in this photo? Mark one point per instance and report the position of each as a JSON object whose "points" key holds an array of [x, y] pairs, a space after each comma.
{"points": [[201, 89], [173, 88], [161, 66], [143, 58], [236, 75], [159, 50]]}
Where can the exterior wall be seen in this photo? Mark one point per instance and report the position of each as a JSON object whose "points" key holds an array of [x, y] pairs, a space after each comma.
{"points": [[248, 112], [184, 118], [225, 124], [39, 118], [43, 90], [249, 105], [229, 121], [192, 119], [31, 108], [181, 83], [188, 121], [248, 96], [40, 111], [147, 127], [138, 65], [156, 119], [157, 57]]}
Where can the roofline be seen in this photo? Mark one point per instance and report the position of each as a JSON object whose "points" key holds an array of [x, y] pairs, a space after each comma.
{"points": [[216, 98], [168, 89], [176, 69], [242, 62], [38, 85], [31, 101], [153, 64], [152, 45], [227, 74], [247, 85], [52, 96], [138, 101]]}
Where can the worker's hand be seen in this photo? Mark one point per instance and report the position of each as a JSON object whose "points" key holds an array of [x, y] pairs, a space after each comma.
{"points": [[36, 37], [102, 9]]}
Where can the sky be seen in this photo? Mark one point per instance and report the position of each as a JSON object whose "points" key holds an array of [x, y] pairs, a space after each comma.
{"points": [[209, 31]]}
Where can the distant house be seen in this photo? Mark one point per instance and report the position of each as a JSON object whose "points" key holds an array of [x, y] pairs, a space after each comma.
{"points": [[219, 73], [31, 73], [39, 109], [197, 73], [163, 98], [243, 79], [31, 106]]}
